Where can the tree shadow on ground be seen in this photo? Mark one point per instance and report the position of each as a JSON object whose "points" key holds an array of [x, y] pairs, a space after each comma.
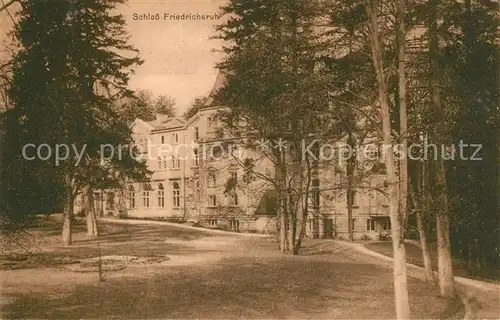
{"points": [[242, 287]]}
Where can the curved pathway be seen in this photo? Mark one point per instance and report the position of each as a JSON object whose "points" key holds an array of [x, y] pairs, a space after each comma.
{"points": [[216, 275]]}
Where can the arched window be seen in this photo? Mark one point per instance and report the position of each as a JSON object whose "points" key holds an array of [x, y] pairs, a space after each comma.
{"points": [[145, 195], [161, 196], [131, 197], [176, 191]]}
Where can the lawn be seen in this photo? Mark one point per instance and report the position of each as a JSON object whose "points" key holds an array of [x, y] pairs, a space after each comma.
{"points": [[210, 276], [414, 256]]}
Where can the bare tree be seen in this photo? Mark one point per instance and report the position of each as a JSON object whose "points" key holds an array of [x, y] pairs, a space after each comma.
{"points": [[396, 216]]}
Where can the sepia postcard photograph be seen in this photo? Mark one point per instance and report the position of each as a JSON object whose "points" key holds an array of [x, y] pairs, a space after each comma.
{"points": [[250, 159]]}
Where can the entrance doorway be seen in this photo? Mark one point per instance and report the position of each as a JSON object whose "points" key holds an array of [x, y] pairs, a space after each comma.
{"points": [[328, 228]]}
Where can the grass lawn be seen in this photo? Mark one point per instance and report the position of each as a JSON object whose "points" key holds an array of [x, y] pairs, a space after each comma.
{"points": [[414, 256], [210, 276]]}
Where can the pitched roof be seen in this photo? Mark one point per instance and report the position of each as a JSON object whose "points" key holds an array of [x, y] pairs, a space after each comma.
{"points": [[169, 123]]}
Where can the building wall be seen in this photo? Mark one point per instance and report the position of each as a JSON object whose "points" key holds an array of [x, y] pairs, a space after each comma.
{"points": [[194, 198]]}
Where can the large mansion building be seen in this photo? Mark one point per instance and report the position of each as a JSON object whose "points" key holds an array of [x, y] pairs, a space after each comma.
{"points": [[193, 166]]}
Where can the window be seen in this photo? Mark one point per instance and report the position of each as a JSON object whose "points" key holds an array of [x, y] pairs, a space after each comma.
{"points": [[176, 162], [131, 197], [315, 193], [142, 145], [212, 122], [110, 201], [234, 225], [98, 205], [176, 194], [212, 179], [234, 198], [196, 159], [212, 222], [145, 145], [145, 195], [234, 177], [370, 225], [161, 195], [215, 152], [196, 133], [212, 201], [310, 225], [175, 137], [162, 139], [386, 224]]}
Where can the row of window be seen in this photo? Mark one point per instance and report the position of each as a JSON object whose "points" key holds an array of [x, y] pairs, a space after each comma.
{"points": [[175, 160], [176, 197], [234, 224], [160, 193], [216, 152], [175, 136], [315, 195], [384, 225]]}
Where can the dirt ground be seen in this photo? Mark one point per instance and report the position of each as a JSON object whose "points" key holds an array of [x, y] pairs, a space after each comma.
{"points": [[207, 276]]}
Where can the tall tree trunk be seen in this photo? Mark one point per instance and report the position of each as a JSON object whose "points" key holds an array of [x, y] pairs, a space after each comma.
{"points": [[350, 189], [302, 222], [292, 222], [92, 231], [440, 203], [283, 228], [420, 213], [303, 208], [445, 266], [400, 273], [68, 213], [279, 176], [403, 127]]}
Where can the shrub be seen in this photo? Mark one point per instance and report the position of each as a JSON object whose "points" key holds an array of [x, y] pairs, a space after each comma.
{"points": [[385, 237], [412, 234], [122, 214], [365, 237]]}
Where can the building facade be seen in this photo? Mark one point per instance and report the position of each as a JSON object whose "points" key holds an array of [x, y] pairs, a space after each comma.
{"points": [[197, 175]]}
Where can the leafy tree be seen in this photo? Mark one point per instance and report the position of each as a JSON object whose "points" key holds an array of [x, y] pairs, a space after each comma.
{"points": [[145, 106], [199, 102], [56, 87], [276, 92], [165, 105]]}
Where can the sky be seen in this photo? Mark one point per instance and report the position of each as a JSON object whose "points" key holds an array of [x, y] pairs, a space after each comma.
{"points": [[178, 54]]}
